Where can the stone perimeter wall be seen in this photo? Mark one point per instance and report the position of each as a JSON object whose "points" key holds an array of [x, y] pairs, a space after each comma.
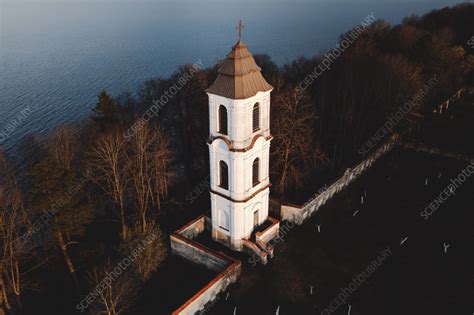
{"points": [[299, 214], [196, 253], [420, 147], [182, 244], [269, 233]]}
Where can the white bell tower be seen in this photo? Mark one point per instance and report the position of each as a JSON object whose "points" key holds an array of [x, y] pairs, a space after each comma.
{"points": [[239, 147]]}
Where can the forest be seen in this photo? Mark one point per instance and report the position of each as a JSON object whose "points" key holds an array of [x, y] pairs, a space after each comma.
{"points": [[90, 193]]}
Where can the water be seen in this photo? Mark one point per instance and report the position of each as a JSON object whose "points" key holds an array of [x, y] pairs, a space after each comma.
{"points": [[56, 57]]}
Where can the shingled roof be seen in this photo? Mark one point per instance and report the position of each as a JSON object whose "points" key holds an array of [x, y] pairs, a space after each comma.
{"points": [[239, 76]]}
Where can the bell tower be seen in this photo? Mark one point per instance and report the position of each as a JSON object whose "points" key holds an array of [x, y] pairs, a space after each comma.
{"points": [[239, 147]]}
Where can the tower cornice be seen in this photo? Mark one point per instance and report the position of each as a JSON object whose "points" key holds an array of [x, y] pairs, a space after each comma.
{"points": [[241, 200], [230, 145]]}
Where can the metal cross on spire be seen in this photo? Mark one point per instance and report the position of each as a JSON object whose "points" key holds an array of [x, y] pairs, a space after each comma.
{"points": [[239, 28]]}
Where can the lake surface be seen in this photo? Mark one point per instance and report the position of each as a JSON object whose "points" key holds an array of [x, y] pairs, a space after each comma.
{"points": [[56, 57]]}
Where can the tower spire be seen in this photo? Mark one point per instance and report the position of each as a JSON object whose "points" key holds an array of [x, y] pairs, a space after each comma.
{"points": [[239, 28]]}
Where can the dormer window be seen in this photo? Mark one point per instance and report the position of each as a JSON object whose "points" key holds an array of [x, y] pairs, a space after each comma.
{"points": [[222, 120], [256, 117]]}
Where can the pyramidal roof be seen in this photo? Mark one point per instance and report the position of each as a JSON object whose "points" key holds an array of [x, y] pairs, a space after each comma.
{"points": [[239, 77]]}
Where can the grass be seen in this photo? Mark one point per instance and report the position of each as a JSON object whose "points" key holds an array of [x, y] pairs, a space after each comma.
{"points": [[418, 278]]}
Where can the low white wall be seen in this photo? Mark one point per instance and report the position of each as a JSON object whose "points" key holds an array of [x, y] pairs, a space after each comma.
{"points": [[207, 294], [419, 147], [182, 244], [194, 228], [445, 105], [270, 233], [289, 213], [299, 214], [197, 254]]}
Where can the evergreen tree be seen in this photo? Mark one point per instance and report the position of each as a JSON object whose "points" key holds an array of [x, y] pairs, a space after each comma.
{"points": [[106, 109]]}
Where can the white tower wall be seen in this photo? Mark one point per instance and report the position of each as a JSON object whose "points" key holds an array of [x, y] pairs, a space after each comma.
{"points": [[233, 209]]}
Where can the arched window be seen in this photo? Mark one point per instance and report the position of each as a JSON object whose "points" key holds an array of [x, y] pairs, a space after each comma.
{"points": [[255, 172], [256, 117], [223, 175], [222, 120]]}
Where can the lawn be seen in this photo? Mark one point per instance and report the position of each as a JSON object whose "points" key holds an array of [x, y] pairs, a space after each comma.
{"points": [[418, 277]]}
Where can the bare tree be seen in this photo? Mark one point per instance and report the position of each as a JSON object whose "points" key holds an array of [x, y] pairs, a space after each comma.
{"points": [[13, 223], [294, 149], [63, 146], [140, 159], [162, 156], [148, 158], [55, 184], [109, 169], [118, 296]]}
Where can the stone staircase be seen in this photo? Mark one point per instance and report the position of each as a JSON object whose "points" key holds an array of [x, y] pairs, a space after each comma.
{"points": [[256, 253]]}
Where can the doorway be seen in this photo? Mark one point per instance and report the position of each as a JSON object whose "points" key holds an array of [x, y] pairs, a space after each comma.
{"points": [[255, 219]]}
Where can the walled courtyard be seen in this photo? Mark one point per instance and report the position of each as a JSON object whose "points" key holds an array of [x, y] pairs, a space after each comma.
{"points": [[354, 233]]}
